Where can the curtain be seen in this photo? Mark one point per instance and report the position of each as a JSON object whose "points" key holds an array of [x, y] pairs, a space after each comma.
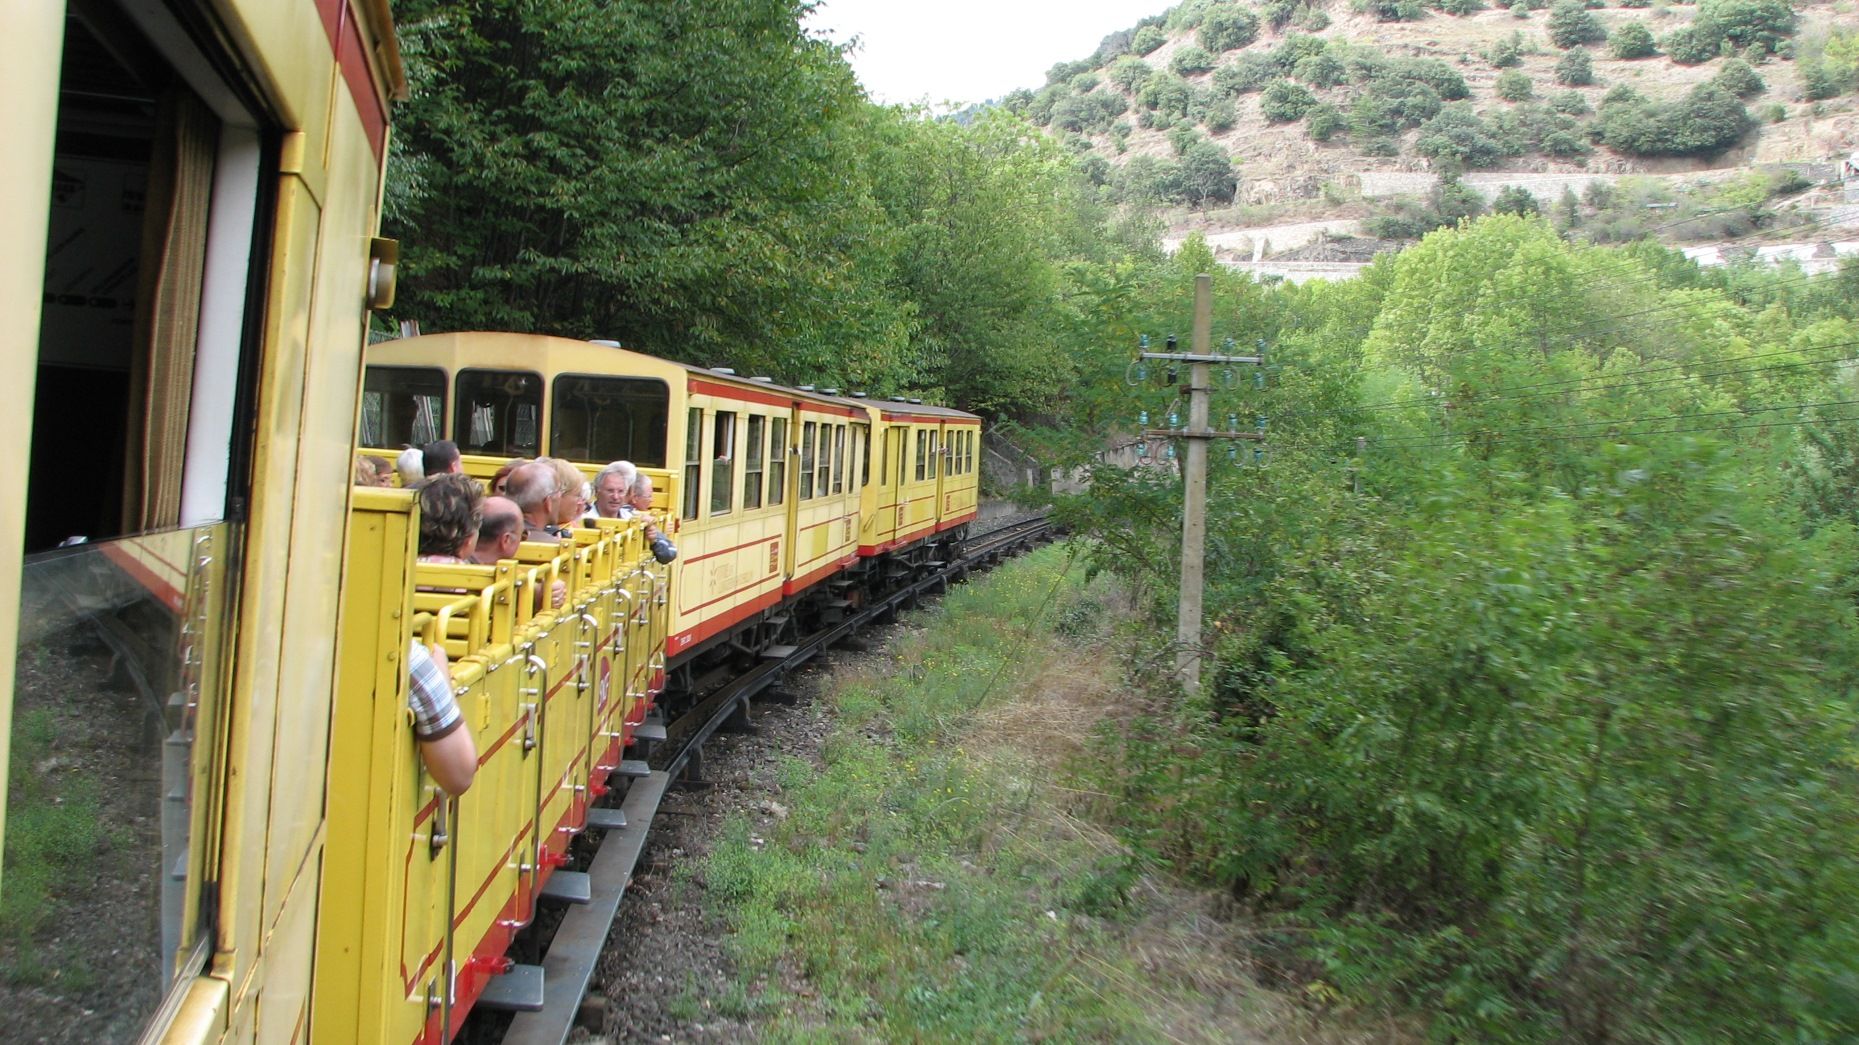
{"points": [[173, 260]]}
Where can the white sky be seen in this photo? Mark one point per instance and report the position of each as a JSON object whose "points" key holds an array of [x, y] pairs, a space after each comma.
{"points": [[963, 51]]}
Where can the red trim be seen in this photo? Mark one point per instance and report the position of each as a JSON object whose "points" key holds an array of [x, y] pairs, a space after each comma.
{"points": [[352, 58], [146, 577], [699, 386], [802, 583], [721, 621], [949, 524], [771, 578], [731, 548], [836, 411]]}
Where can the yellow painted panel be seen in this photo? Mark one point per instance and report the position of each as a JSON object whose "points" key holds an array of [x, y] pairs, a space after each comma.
{"points": [[203, 1014], [29, 82], [283, 1009], [322, 471], [298, 74], [261, 608]]}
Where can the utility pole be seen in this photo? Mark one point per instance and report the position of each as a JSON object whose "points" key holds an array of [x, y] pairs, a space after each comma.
{"points": [[1194, 478]]}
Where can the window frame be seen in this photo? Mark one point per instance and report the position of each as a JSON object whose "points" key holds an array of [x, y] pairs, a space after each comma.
{"points": [[721, 460], [808, 431], [693, 461], [754, 459], [777, 461], [604, 453]]}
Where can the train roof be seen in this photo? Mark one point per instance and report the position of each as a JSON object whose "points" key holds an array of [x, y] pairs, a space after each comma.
{"points": [[558, 354]]}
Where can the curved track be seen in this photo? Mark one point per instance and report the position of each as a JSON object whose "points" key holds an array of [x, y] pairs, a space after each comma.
{"points": [[575, 948]]}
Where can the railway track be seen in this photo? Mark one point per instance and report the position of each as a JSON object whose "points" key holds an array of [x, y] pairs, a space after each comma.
{"points": [[547, 997]]}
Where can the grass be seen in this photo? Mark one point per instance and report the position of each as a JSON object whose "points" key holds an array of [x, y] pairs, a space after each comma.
{"points": [[49, 834], [931, 882]]}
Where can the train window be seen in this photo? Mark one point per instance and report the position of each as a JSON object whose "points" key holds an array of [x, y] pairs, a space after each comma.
{"points": [[723, 463], [693, 461], [922, 457], [498, 412], [753, 449], [839, 458], [823, 475], [594, 418], [935, 451], [402, 406], [884, 462], [777, 460], [862, 446], [806, 460]]}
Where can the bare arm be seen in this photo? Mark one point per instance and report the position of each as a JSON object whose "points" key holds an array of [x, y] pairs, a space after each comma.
{"points": [[452, 760]]}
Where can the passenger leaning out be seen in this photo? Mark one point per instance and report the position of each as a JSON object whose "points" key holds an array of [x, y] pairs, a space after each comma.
{"points": [[640, 503], [450, 510]]}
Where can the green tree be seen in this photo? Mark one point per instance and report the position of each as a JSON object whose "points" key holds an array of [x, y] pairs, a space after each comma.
{"points": [[1189, 59], [1515, 199], [1513, 86], [1228, 28], [1147, 39], [1739, 79], [1285, 100], [1632, 40], [1571, 25], [1575, 69]]}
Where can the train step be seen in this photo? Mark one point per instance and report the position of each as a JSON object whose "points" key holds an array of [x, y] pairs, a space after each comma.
{"points": [[653, 731], [838, 604], [779, 652], [634, 769], [519, 990], [568, 887], [606, 819]]}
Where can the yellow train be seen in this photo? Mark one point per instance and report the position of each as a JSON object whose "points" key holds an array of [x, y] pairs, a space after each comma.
{"points": [[217, 826], [774, 493]]}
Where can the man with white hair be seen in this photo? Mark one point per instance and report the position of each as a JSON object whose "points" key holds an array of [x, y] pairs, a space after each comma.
{"points": [[612, 490], [640, 503], [411, 465]]}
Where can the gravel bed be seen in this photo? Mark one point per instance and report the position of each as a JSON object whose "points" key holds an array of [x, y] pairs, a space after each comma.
{"points": [[665, 962]]}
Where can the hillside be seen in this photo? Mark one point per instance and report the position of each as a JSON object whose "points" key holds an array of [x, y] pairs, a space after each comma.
{"points": [[1335, 112]]}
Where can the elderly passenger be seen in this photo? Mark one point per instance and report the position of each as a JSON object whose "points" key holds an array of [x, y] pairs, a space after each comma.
{"points": [[451, 507], [612, 490], [536, 491]]}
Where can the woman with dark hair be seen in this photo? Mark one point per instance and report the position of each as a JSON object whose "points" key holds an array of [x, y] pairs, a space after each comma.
{"points": [[451, 507]]}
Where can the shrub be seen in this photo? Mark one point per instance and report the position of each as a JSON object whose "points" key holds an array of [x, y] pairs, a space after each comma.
{"points": [[1461, 7], [1690, 44], [1818, 82], [1394, 10], [1189, 60], [1321, 70], [1228, 28], [1520, 10], [1570, 103], [1278, 13], [1221, 115], [1311, 19], [1507, 52], [1774, 112], [1575, 69], [1457, 136], [1571, 25], [1250, 73], [1147, 39], [1295, 48], [1632, 40], [1285, 100], [1513, 86], [1759, 25], [1166, 94], [1515, 199], [1206, 173], [1442, 78], [1323, 122], [1708, 120], [1130, 73], [1064, 71], [1635, 3], [1565, 145], [1089, 113], [1084, 82], [1739, 79]]}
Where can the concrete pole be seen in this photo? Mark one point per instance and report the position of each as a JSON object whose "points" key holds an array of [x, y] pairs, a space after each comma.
{"points": [[1194, 499]]}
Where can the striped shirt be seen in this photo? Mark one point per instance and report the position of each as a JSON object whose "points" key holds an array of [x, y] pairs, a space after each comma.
{"points": [[435, 712]]}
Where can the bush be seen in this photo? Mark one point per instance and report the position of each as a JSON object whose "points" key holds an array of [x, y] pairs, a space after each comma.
{"points": [[1457, 136], [1444, 80], [1084, 82], [1221, 115], [1228, 28], [1565, 145], [1571, 25], [1461, 7], [1774, 112], [1751, 25], [1570, 103], [1250, 73], [1285, 100], [1166, 94], [1130, 73], [1690, 45], [1513, 86], [1323, 122], [1817, 82], [1575, 69], [1632, 40], [1089, 113], [1295, 48], [1520, 10], [1515, 199], [1321, 70], [1739, 79], [1206, 174], [1507, 53], [1707, 121], [1189, 60], [1147, 39], [1394, 10]]}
